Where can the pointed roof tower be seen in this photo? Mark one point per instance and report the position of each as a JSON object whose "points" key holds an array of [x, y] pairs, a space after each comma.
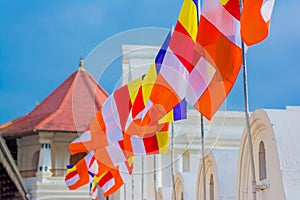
{"points": [[69, 108]]}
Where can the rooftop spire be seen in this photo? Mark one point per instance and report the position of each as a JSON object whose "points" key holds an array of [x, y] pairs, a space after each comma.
{"points": [[81, 65]]}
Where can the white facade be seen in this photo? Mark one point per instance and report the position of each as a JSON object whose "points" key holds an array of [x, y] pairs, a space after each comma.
{"points": [[278, 174], [227, 154]]}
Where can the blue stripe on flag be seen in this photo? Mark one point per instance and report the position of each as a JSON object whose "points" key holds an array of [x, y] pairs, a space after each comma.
{"points": [[180, 110], [91, 174], [70, 166], [196, 2], [162, 52]]}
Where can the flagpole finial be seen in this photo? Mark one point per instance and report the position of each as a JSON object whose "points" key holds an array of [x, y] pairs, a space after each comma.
{"points": [[81, 65]]}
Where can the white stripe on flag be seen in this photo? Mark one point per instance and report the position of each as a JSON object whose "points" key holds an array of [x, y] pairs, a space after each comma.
{"points": [[175, 73], [88, 158], [124, 172], [199, 80], [72, 180], [115, 153], [94, 167], [129, 120], [266, 9], [84, 137], [112, 121], [109, 184], [149, 104], [138, 145]]}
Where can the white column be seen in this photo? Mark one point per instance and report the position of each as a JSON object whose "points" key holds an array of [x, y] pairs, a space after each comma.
{"points": [[148, 177], [166, 170], [194, 161], [178, 162], [45, 162], [158, 170], [186, 161]]}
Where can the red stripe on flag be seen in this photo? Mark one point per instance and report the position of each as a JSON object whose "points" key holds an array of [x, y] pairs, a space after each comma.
{"points": [[138, 104], [105, 178], [123, 104], [118, 182], [182, 46], [151, 144], [233, 7], [92, 161], [71, 174]]}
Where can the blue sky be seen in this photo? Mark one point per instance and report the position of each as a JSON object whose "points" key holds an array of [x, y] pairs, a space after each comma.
{"points": [[41, 43]]}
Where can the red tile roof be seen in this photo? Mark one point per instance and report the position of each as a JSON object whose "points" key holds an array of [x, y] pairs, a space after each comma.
{"points": [[69, 108]]}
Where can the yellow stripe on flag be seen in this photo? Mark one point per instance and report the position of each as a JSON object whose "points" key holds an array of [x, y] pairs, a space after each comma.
{"points": [[148, 82], [71, 169], [98, 177], [188, 18], [163, 141], [224, 2], [130, 161], [169, 117], [133, 88]]}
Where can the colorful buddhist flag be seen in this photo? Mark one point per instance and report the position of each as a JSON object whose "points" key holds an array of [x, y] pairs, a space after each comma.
{"points": [[77, 175], [220, 39], [110, 179]]}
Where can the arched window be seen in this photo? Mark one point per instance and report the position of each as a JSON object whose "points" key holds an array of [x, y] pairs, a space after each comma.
{"points": [[211, 188], [262, 161]]}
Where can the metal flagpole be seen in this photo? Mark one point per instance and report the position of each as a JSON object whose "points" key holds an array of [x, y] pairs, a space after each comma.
{"points": [[203, 157], [172, 151], [172, 159], [246, 108], [154, 176], [132, 187], [124, 191], [142, 177]]}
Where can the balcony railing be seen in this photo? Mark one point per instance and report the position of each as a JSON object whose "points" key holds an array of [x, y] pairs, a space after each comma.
{"points": [[32, 172], [58, 172], [28, 173]]}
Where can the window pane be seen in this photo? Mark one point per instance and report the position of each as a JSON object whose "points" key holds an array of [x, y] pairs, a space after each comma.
{"points": [[262, 162]]}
